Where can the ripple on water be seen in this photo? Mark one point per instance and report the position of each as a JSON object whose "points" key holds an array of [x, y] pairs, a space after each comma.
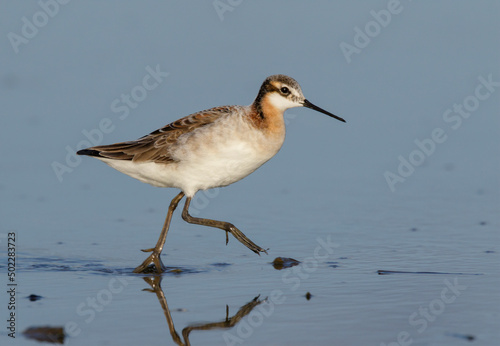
{"points": [[50, 264]]}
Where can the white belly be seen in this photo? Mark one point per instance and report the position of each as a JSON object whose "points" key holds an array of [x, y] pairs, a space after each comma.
{"points": [[210, 157]]}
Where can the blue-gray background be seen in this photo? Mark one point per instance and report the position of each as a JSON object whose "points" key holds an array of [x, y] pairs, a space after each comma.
{"points": [[395, 90]]}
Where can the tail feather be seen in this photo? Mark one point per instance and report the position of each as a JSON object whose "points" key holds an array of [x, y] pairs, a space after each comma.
{"points": [[89, 152]]}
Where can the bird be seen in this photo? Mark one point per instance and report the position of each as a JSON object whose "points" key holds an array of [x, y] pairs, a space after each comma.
{"points": [[208, 149]]}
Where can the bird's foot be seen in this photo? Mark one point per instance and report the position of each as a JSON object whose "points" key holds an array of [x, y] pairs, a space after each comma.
{"points": [[157, 266], [244, 240]]}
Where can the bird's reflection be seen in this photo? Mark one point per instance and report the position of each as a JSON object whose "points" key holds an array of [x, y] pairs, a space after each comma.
{"points": [[228, 322]]}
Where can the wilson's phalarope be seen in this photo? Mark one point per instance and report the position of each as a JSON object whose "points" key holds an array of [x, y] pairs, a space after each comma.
{"points": [[208, 149]]}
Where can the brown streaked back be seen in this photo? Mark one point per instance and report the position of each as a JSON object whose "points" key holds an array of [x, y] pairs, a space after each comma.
{"points": [[155, 146]]}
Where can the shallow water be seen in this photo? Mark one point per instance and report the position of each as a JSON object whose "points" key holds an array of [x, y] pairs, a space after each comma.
{"points": [[416, 266], [350, 302]]}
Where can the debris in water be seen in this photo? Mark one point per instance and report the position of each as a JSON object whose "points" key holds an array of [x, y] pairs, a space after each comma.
{"points": [[284, 262], [47, 334], [468, 337], [34, 297], [386, 272]]}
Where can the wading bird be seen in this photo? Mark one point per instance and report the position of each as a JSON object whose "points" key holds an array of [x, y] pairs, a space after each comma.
{"points": [[208, 149]]}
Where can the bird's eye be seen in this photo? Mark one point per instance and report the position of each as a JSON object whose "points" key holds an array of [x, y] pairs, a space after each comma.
{"points": [[285, 91]]}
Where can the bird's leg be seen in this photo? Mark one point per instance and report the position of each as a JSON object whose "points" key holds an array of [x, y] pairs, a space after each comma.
{"points": [[155, 256], [226, 226]]}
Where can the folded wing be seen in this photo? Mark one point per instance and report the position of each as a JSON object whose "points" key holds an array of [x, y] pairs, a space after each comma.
{"points": [[155, 147]]}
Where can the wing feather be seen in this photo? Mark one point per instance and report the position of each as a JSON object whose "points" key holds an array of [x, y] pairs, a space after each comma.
{"points": [[157, 145]]}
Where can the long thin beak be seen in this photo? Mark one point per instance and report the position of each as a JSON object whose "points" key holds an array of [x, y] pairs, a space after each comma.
{"points": [[308, 104]]}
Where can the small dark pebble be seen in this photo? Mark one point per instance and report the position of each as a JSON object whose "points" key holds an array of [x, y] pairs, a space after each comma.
{"points": [[284, 262], [467, 337], [47, 334], [34, 297], [308, 295]]}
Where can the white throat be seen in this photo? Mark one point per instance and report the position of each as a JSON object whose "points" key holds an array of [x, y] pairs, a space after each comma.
{"points": [[282, 103]]}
